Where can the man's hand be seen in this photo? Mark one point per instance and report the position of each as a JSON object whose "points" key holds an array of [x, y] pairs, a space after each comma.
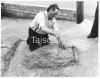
{"points": [[59, 41], [61, 45], [57, 36]]}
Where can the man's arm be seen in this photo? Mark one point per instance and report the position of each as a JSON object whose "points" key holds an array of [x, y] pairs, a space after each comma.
{"points": [[47, 30], [33, 23], [42, 25], [55, 28]]}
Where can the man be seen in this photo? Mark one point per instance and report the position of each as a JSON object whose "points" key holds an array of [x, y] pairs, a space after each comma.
{"points": [[43, 24], [94, 31]]}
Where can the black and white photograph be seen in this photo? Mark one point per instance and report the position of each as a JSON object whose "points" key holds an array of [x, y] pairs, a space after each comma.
{"points": [[50, 38]]}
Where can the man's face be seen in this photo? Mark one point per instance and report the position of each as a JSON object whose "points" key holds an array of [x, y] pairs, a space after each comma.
{"points": [[53, 13]]}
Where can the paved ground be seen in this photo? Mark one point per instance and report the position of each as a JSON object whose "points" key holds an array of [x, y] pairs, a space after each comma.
{"points": [[72, 33]]}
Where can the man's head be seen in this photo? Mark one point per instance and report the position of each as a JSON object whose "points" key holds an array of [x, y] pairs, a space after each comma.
{"points": [[52, 10]]}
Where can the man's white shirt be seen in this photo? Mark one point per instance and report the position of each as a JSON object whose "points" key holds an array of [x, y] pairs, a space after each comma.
{"points": [[41, 20]]}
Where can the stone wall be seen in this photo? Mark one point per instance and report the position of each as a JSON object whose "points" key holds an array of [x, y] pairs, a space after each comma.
{"points": [[28, 12]]}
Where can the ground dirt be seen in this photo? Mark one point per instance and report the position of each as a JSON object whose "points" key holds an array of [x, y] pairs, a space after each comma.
{"points": [[14, 32]]}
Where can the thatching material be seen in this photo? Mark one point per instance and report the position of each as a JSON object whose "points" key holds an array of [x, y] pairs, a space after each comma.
{"points": [[46, 57], [7, 54]]}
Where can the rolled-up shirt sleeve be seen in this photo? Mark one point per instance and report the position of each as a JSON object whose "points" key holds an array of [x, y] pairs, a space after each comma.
{"points": [[33, 23], [41, 20], [38, 20]]}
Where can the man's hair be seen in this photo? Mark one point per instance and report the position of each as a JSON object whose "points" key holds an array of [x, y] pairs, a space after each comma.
{"points": [[53, 7]]}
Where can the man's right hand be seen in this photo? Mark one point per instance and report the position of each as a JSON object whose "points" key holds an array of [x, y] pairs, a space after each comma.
{"points": [[57, 36], [61, 45], [59, 41]]}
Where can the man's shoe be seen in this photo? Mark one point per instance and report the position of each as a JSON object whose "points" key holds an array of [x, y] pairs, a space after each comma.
{"points": [[92, 36]]}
